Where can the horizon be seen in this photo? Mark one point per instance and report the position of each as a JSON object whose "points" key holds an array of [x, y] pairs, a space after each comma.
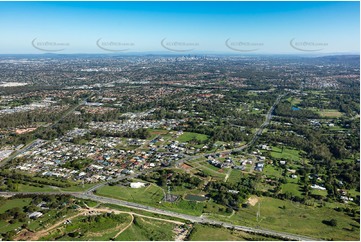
{"points": [[195, 28], [196, 54]]}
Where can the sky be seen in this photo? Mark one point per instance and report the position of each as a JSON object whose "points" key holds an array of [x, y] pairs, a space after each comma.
{"points": [[179, 27]]}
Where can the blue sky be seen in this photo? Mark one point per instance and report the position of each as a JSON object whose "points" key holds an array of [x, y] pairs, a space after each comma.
{"points": [[258, 27]]}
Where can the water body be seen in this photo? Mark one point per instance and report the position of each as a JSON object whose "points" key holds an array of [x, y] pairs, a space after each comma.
{"points": [[295, 108]]}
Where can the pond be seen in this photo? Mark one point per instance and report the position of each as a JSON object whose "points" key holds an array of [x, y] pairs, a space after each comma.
{"points": [[294, 108], [197, 198]]}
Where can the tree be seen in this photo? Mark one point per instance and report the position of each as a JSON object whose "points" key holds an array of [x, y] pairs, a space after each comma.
{"points": [[333, 222]]}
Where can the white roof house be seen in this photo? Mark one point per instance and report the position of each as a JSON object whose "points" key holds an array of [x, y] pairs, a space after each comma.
{"points": [[35, 215], [137, 184]]}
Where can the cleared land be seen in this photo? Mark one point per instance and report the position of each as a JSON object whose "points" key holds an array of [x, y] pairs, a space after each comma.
{"points": [[211, 233], [287, 153], [148, 195], [298, 219], [330, 113], [188, 136]]}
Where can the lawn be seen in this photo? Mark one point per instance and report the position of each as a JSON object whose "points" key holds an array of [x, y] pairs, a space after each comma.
{"points": [[187, 136], [298, 219], [287, 154]]}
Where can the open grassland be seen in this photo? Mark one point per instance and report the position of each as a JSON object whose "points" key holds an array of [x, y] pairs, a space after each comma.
{"points": [[287, 153], [49, 217], [272, 171], [211, 233], [293, 188], [34, 188], [94, 227], [188, 136], [235, 176], [147, 195], [46, 188], [330, 113], [292, 217], [152, 196], [14, 203], [184, 206], [143, 229], [294, 100]]}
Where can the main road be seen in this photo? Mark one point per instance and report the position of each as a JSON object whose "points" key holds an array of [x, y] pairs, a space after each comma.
{"points": [[89, 193], [191, 218]]}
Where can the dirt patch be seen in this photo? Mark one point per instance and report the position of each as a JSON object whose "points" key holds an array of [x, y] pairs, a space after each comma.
{"points": [[23, 235], [186, 167], [252, 201]]}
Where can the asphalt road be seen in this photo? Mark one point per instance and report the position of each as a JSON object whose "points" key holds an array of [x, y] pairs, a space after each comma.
{"points": [[89, 193], [195, 219], [34, 142], [254, 139]]}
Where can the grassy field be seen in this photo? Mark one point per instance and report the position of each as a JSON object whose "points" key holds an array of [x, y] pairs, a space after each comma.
{"points": [[30, 188], [293, 188], [155, 132], [147, 230], [208, 169], [183, 206], [187, 136], [211, 233], [78, 188], [148, 195], [126, 209], [298, 219], [90, 228], [49, 217], [288, 154], [272, 171], [235, 176], [9, 204], [319, 192], [152, 196], [14, 203], [294, 100], [330, 113], [46, 188]]}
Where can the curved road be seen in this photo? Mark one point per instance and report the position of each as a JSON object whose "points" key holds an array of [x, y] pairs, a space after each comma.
{"points": [[254, 139], [89, 195], [195, 219]]}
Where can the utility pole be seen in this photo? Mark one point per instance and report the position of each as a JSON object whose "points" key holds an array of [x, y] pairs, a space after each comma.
{"points": [[259, 211]]}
